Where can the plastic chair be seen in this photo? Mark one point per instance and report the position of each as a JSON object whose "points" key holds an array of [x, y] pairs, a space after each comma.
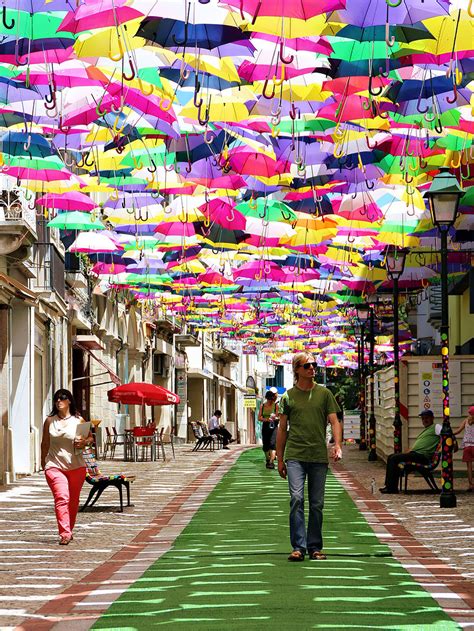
{"points": [[144, 438]]}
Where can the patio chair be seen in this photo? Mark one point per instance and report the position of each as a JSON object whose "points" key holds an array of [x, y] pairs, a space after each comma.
{"points": [[215, 438], [160, 440], [109, 444], [119, 439], [144, 438], [101, 481], [202, 441]]}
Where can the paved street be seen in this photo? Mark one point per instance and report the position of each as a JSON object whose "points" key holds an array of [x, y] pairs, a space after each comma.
{"points": [[47, 584]]}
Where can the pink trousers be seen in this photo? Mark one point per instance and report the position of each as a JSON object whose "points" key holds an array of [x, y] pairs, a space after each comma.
{"points": [[66, 488]]}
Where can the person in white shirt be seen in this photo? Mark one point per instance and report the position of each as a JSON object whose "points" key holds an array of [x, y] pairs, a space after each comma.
{"points": [[216, 427]]}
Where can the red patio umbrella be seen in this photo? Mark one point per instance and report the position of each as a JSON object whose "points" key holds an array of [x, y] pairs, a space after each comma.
{"points": [[142, 394]]}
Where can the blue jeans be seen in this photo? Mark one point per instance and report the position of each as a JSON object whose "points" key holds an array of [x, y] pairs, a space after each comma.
{"points": [[303, 539]]}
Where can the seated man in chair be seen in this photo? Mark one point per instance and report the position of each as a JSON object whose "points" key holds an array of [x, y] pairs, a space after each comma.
{"points": [[422, 452], [215, 427]]}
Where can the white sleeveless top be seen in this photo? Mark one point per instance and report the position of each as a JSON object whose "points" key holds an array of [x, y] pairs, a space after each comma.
{"points": [[61, 454]]}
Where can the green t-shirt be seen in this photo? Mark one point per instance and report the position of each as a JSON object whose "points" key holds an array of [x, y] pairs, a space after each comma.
{"points": [[307, 413], [426, 442]]}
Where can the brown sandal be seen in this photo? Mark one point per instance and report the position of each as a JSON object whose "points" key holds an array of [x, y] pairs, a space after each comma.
{"points": [[64, 541], [316, 555], [296, 556]]}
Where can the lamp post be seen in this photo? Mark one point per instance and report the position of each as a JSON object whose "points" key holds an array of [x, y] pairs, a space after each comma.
{"points": [[366, 314], [443, 197], [360, 332], [395, 264]]}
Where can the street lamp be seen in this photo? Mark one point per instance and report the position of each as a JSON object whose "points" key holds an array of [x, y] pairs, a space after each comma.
{"points": [[443, 197], [360, 334], [395, 264], [366, 313]]}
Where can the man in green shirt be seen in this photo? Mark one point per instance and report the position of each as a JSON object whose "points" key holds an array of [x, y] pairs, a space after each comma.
{"points": [[305, 411], [422, 452]]}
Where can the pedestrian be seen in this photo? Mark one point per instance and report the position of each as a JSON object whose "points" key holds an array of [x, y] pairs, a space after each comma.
{"points": [[62, 461], [422, 452], [268, 416], [468, 444], [217, 428], [305, 411]]}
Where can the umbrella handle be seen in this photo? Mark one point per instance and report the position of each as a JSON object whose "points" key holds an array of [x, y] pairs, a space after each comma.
{"points": [[423, 163], [209, 140], [394, 4], [130, 77], [10, 26], [439, 127], [369, 146], [374, 91], [469, 9], [283, 59], [390, 41], [371, 185], [254, 19], [152, 170], [457, 164], [165, 104], [455, 95], [279, 82], [275, 131], [148, 92], [118, 57], [271, 94]]}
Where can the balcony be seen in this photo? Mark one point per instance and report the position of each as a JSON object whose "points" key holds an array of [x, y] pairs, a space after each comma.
{"points": [[17, 223]]}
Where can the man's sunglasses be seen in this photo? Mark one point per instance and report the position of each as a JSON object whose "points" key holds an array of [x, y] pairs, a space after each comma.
{"points": [[309, 365], [61, 397]]}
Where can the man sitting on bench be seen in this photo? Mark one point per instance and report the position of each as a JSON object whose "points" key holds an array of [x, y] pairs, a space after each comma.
{"points": [[422, 452]]}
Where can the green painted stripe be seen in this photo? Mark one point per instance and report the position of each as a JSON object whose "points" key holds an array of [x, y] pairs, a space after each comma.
{"points": [[228, 569]]}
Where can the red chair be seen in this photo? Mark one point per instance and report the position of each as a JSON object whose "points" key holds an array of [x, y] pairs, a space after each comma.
{"points": [[144, 438]]}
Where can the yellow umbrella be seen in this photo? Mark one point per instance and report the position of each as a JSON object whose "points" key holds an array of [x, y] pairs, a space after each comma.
{"points": [[222, 67], [229, 112]]}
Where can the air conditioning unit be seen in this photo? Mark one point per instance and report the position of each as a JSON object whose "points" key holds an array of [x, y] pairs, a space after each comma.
{"points": [[161, 365]]}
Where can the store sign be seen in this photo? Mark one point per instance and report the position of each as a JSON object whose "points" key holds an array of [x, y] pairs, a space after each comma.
{"points": [[250, 402]]}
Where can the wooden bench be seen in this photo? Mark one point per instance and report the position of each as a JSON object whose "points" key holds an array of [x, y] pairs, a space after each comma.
{"points": [[101, 481]]}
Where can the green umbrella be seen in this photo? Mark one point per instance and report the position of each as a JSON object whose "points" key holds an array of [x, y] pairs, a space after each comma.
{"points": [[267, 209], [75, 220], [33, 25]]}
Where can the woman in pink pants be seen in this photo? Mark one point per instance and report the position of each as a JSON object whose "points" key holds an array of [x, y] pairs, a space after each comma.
{"points": [[64, 467]]}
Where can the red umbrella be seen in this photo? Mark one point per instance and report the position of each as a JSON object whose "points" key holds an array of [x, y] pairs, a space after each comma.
{"points": [[142, 394]]}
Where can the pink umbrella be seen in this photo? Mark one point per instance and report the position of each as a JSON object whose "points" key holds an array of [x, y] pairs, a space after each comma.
{"points": [[261, 270], [224, 214], [71, 200], [257, 164], [93, 15], [301, 9], [176, 228]]}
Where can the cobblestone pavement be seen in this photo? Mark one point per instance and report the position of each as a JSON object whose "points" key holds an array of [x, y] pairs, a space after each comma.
{"points": [[112, 549]]}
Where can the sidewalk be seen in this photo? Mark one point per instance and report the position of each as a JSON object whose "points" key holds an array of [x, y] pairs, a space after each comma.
{"points": [[112, 547]]}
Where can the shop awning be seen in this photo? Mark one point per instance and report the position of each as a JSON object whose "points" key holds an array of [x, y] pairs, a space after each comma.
{"points": [[113, 377], [17, 289]]}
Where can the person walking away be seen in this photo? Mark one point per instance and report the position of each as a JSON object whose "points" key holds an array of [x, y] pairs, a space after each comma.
{"points": [[216, 427], [422, 452], [305, 411], [468, 444], [268, 416], [62, 461]]}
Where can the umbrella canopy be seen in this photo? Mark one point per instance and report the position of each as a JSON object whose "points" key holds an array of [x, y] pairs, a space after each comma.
{"points": [[136, 393]]}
